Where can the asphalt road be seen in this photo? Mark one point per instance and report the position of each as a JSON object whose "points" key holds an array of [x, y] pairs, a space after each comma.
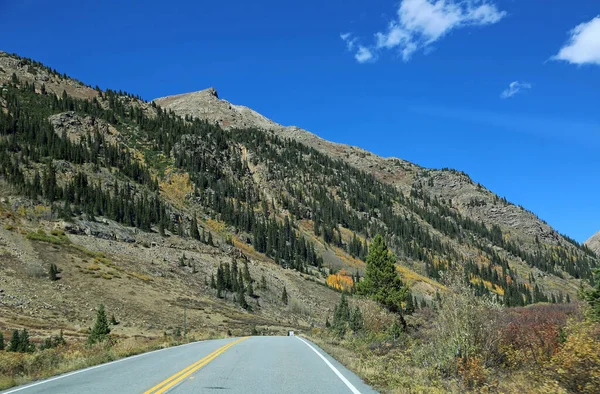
{"points": [[248, 365]]}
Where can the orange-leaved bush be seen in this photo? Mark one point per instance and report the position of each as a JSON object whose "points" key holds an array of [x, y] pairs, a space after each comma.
{"points": [[340, 281]]}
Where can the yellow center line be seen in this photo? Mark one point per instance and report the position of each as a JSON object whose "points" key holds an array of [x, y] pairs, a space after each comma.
{"points": [[184, 373]]}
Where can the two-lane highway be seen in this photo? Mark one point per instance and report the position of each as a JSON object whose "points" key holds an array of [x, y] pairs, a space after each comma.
{"points": [[246, 365]]}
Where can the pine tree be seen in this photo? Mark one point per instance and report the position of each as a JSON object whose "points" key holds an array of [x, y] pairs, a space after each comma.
{"points": [[180, 231], [241, 297], [235, 276], [409, 307], [1, 341], [66, 212], [356, 320], [100, 331], [227, 276], [263, 283], [220, 281], [247, 276], [53, 272], [15, 342], [213, 284], [284, 296], [25, 345], [592, 296], [194, 233], [161, 228], [381, 281]]}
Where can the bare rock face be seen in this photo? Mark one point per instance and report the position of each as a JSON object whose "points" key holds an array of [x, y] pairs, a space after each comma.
{"points": [[594, 243], [76, 127]]}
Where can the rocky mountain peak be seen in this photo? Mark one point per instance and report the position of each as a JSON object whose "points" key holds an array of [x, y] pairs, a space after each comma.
{"points": [[211, 91], [594, 242]]}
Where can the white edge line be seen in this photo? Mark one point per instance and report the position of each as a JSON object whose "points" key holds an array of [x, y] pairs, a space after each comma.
{"points": [[97, 366], [334, 369]]}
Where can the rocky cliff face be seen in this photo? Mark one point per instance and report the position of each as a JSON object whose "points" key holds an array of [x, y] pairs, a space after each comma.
{"points": [[594, 243]]}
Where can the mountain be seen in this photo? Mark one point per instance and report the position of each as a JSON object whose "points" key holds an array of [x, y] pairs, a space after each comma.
{"points": [[470, 199], [594, 243], [142, 204], [454, 191]]}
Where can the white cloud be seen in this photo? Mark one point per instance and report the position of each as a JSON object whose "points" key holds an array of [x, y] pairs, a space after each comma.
{"points": [[514, 88], [420, 23], [349, 40], [363, 54], [583, 45]]}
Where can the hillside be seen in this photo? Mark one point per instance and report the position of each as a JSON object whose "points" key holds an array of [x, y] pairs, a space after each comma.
{"points": [[455, 194], [144, 278], [141, 203], [594, 243], [470, 199]]}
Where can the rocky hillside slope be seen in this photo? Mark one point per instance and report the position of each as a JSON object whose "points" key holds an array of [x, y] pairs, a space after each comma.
{"points": [[454, 190], [470, 199]]}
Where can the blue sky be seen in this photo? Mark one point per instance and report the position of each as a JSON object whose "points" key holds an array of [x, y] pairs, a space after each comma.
{"points": [[507, 91]]}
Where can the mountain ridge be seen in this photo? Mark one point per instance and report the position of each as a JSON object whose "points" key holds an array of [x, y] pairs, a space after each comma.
{"points": [[206, 104]]}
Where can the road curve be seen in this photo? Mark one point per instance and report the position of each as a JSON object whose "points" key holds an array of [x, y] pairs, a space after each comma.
{"points": [[249, 365]]}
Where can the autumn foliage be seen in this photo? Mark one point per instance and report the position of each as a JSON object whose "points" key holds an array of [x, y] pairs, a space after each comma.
{"points": [[532, 335], [576, 364], [341, 281]]}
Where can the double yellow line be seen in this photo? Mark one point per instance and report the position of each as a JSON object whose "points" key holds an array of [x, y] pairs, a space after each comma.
{"points": [[184, 373]]}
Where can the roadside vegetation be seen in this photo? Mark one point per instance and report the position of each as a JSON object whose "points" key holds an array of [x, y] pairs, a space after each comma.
{"points": [[464, 342], [22, 360]]}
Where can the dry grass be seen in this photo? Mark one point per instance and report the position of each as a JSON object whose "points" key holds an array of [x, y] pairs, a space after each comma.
{"points": [[248, 250], [139, 276], [411, 277]]}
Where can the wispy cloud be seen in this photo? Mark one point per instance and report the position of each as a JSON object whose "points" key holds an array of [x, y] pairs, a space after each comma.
{"points": [[420, 23], [514, 88], [362, 54], [583, 46], [349, 40]]}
